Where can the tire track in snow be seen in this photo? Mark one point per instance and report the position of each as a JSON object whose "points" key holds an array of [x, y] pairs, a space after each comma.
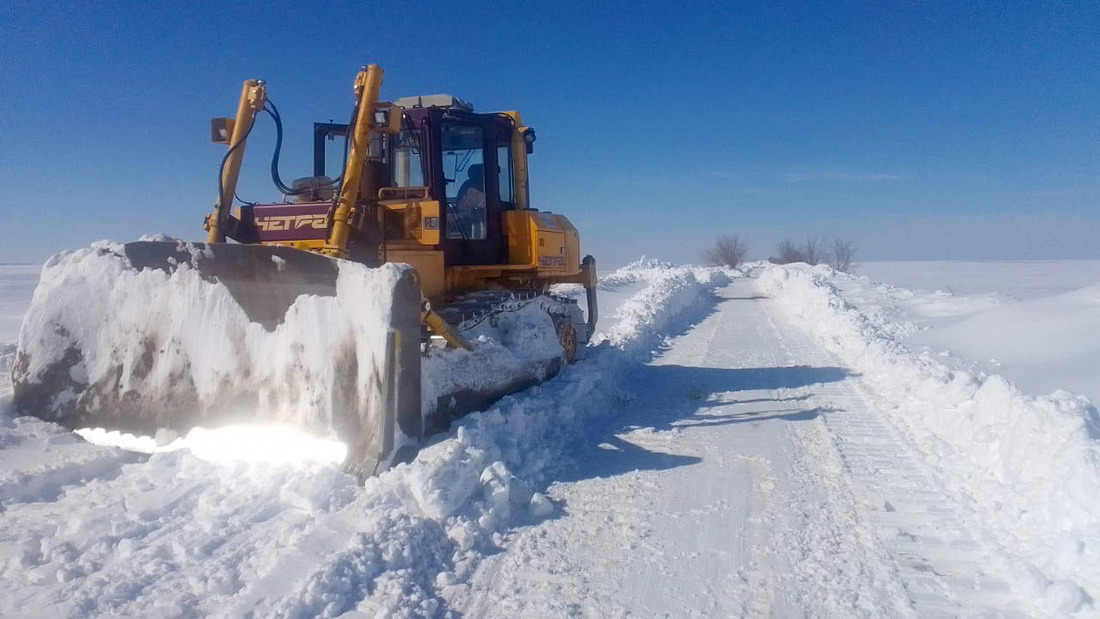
{"points": [[761, 525], [946, 572], [605, 556]]}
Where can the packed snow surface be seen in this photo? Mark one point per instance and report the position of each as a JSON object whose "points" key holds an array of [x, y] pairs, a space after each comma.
{"points": [[769, 442]]}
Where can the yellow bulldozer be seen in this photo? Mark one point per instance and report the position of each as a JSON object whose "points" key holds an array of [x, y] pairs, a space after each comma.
{"points": [[327, 310]]}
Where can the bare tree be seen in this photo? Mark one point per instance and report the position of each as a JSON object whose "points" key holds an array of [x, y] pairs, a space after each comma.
{"points": [[813, 250], [728, 251], [786, 252], [843, 254], [840, 254], [810, 251]]}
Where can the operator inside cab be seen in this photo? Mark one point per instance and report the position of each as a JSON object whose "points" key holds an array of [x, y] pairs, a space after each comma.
{"points": [[470, 204]]}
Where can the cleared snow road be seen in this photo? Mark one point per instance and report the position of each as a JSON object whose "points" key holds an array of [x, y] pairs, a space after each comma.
{"points": [[745, 477], [781, 455]]}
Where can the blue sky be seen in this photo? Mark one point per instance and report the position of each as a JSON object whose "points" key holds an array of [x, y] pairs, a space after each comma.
{"points": [[921, 130]]}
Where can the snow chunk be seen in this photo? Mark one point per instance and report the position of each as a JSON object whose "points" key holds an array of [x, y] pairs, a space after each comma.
{"points": [[540, 506]]}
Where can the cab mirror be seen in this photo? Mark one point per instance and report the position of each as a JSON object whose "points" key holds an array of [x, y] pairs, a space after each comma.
{"points": [[529, 139], [221, 129]]}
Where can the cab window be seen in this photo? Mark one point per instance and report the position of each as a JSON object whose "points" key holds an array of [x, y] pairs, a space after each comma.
{"points": [[407, 166], [464, 173], [504, 165]]}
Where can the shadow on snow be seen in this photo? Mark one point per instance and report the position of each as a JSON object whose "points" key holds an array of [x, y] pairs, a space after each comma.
{"points": [[667, 397]]}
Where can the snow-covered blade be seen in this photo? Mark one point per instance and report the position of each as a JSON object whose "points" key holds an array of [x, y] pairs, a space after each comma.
{"points": [[165, 335]]}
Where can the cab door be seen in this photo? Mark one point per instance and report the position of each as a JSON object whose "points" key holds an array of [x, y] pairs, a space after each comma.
{"points": [[471, 178]]}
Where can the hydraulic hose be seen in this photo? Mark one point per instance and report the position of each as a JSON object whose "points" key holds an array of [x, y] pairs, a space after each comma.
{"points": [[221, 168], [273, 111]]}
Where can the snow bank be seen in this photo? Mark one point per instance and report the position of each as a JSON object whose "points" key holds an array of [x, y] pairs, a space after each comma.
{"points": [[651, 270], [642, 269], [1030, 466], [645, 317]]}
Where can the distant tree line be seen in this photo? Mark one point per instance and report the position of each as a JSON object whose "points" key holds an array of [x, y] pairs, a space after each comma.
{"points": [[840, 254], [729, 251]]}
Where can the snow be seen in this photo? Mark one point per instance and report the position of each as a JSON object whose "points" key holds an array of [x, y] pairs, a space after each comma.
{"points": [[675, 502], [236, 537], [248, 443], [505, 349], [773, 441], [1002, 324], [1008, 279], [321, 360], [1019, 341], [1029, 466]]}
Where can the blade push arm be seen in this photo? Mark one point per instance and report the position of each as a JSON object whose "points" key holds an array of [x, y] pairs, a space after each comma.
{"points": [[367, 86], [233, 133]]}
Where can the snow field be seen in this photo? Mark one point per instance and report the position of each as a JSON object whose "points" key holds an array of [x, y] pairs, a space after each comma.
{"points": [[1032, 279], [996, 317], [1020, 341], [176, 535], [1027, 468]]}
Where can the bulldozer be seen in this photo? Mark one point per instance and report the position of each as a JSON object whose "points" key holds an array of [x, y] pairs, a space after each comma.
{"points": [[425, 235]]}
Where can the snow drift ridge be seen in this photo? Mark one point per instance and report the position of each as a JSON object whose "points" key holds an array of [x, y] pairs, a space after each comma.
{"points": [[1030, 465]]}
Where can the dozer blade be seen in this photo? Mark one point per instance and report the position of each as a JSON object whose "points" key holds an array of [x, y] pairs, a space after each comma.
{"points": [[160, 334]]}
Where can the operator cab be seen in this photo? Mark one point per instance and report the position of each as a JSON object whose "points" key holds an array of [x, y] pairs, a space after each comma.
{"points": [[446, 153], [465, 161]]}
